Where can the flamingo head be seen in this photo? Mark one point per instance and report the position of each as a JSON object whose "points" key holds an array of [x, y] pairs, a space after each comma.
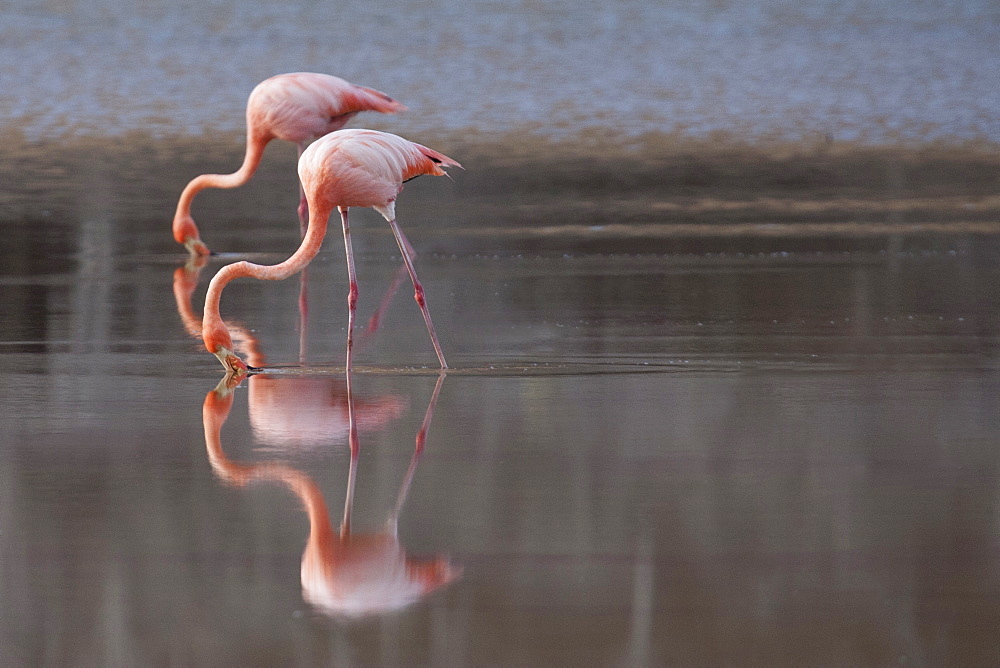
{"points": [[186, 232], [218, 342], [196, 247], [235, 367]]}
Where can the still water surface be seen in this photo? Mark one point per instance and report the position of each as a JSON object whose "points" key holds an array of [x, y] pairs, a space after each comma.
{"points": [[686, 457]]}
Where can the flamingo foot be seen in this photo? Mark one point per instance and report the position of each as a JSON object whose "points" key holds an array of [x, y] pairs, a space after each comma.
{"points": [[196, 247]]}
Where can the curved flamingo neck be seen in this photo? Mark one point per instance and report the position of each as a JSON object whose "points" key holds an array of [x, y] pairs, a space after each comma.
{"points": [[214, 331], [251, 160]]}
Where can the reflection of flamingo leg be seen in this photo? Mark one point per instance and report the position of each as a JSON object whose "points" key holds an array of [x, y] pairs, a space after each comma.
{"points": [[383, 306], [355, 446], [417, 451], [352, 476], [397, 281]]}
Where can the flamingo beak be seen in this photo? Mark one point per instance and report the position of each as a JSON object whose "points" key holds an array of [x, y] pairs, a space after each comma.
{"points": [[233, 364], [196, 247]]}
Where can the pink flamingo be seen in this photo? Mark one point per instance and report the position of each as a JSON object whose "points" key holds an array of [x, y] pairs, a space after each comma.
{"points": [[295, 107], [342, 169]]}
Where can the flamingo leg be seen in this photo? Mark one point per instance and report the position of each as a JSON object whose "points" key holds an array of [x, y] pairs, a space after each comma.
{"points": [[303, 280], [303, 315], [303, 203], [418, 290], [352, 294]]}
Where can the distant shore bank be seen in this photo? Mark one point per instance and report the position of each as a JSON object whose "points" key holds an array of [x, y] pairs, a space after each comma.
{"points": [[662, 177]]}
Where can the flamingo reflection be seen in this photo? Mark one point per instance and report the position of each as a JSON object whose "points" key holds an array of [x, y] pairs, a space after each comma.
{"points": [[343, 573]]}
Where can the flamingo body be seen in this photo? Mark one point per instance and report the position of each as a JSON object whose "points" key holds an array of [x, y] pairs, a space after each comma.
{"points": [[364, 168], [301, 106], [296, 107], [345, 168]]}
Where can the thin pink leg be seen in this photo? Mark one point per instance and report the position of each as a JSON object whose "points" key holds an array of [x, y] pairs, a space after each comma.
{"points": [[352, 294], [418, 290], [303, 315], [303, 204], [303, 280]]}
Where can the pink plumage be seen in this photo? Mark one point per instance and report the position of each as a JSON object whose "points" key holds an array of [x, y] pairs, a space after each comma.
{"points": [[301, 106], [365, 168]]}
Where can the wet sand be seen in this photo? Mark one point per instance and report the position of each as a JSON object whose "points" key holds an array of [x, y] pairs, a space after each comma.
{"points": [[730, 407]]}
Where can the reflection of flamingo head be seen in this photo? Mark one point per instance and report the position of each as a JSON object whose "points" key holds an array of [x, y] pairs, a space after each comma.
{"points": [[367, 574], [303, 412]]}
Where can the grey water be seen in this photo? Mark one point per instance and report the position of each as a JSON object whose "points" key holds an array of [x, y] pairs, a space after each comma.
{"points": [[695, 458]]}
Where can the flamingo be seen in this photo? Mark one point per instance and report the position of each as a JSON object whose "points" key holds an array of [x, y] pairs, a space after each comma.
{"points": [[342, 169], [296, 107]]}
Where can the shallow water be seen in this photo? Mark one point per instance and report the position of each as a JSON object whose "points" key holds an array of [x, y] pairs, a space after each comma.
{"points": [[697, 453]]}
